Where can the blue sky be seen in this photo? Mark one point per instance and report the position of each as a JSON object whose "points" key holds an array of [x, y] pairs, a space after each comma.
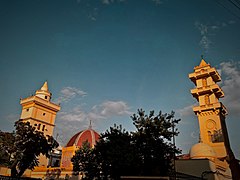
{"points": [[105, 59]]}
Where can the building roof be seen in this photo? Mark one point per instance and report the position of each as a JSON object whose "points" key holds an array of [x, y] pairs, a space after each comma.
{"points": [[203, 63], [86, 135]]}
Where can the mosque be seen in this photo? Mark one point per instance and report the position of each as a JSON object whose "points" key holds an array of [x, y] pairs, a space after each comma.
{"points": [[206, 160]]}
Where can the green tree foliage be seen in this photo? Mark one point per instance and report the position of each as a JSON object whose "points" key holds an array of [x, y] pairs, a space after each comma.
{"points": [[6, 147], [153, 141], [146, 151], [118, 153], [27, 145], [85, 162]]}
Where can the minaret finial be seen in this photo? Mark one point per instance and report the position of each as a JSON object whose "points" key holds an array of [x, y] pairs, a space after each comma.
{"points": [[45, 86], [90, 125], [202, 56], [43, 92]]}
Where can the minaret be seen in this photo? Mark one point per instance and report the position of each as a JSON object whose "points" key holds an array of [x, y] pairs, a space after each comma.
{"points": [[211, 113], [40, 112]]}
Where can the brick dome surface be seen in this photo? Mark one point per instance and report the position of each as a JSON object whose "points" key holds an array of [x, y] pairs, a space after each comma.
{"points": [[87, 135]]}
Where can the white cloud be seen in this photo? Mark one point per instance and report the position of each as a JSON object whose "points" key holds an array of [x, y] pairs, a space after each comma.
{"points": [[68, 93], [206, 31], [65, 129], [214, 27], [109, 109], [77, 114], [205, 42], [12, 117], [105, 110], [186, 112], [202, 28], [231, 84], [231, 22], [70, 122]]}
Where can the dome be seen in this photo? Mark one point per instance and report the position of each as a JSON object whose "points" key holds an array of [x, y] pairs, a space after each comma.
{"points": [[87, 135], [201, 150]]}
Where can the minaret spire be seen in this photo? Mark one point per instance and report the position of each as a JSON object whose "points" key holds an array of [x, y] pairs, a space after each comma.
{"points": [[203, 63], [45, 86], [43, 92]]}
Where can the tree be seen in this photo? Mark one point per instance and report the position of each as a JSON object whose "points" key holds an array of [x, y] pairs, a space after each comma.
{"points": [[147, 151], [28, 144], [153, 141], [6, 147], [118, 153], [113, 155], [85, 162]]}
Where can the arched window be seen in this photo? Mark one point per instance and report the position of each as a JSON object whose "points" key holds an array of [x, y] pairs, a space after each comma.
{"points": [[218, 136], [204, 82], [207, 100], [39, 126]]}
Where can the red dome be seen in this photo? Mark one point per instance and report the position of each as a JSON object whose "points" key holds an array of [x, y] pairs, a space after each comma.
{"points": [[87, 135]]}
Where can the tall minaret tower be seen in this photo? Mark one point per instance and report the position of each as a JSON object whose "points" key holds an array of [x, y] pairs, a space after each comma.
{"points": [[211, 113], [40, 112]]}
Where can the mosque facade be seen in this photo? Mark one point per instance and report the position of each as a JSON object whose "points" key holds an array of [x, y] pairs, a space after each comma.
{"points": [[41, 113], [206, 159]]}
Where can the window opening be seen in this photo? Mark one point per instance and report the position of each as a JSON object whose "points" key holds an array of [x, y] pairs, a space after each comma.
{"points": [[207, 100], [204, 82], [217, 136], [39, 125]]}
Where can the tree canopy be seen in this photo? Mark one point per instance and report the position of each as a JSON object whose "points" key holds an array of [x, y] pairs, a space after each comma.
{"points": [[6, 147], [85, 161], [25, 146], [153, 140], [118, 153], [146, 151]]}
